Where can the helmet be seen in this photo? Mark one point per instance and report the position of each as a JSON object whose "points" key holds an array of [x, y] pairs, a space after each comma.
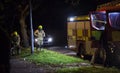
{"points": [[15, 33], [40, 27]]}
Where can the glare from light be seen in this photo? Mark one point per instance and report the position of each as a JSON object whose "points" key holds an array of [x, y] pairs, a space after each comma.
{"points": [[71, 19], [71, 46], [114, 13], [50, 39], [66, 46], [88, 18], [36, 39]]}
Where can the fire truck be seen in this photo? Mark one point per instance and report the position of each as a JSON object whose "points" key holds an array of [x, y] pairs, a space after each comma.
{"points": [[79, 33], [106, 22], [100, 29]]}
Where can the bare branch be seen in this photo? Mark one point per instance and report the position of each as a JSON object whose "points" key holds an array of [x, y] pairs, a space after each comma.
{"points": [[25, 10]]}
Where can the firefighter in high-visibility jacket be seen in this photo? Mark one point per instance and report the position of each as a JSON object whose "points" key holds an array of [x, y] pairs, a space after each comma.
{"points": [[39, 36], [15, 41]]}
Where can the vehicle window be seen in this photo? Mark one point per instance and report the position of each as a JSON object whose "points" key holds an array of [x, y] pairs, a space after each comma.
{"points": [[114, 19], [98, 20]]}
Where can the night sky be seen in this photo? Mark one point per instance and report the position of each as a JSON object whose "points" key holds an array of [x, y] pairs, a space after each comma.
{"points": [[52, 14]]}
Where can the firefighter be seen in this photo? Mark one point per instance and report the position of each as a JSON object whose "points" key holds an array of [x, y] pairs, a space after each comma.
{"points": [[39, 36], [15, 41]]}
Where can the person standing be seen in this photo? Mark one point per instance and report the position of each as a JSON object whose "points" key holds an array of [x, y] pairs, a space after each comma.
{"points": [[39, 35], [15, 41]]}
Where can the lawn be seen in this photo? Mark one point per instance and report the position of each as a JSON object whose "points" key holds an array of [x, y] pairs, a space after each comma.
{"points": [[53, 59], [49, 57]]}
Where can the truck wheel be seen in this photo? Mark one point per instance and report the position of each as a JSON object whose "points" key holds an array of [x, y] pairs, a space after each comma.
{"points": [[81, 51]]}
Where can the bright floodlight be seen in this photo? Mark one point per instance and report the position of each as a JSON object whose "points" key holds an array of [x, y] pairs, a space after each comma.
{"points": [[50, 39], [71, 19]]}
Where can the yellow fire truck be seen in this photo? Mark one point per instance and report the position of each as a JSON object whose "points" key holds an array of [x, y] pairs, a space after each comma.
{"points": [[99, 29], [78, 33]]}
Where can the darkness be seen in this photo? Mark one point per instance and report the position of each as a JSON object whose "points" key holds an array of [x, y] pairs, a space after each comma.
{"points": [[52, 14], [4, 52]]}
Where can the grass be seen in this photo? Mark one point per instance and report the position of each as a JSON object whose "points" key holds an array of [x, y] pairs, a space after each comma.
{"points": [[49, 58], [88, 70]]}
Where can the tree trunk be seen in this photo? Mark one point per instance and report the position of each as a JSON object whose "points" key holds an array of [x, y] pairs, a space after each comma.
{"points": [[24, 36]]}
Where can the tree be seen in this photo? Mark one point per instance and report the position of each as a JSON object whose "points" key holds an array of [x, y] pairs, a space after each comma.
{"points": [[23, 14], [23, 9], [13, 14]]}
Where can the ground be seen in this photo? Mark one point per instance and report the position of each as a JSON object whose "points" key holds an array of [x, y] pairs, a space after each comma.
{"points": [[19, 65]]}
